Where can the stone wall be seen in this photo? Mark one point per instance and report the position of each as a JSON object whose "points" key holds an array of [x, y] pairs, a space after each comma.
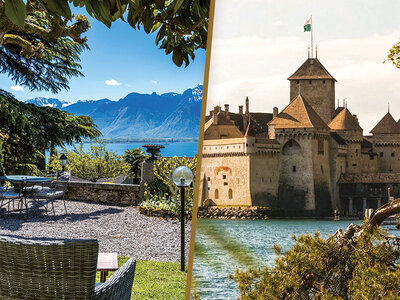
{"points": [[127, 194], [320, 94]]}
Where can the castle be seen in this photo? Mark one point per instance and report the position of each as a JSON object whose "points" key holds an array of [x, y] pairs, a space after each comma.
{"points": [[309, 159]]}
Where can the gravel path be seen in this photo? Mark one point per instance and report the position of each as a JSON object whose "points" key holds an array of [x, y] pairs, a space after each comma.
{"points": [[117, 228]]}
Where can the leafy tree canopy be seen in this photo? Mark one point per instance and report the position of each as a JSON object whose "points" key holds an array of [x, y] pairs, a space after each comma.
{"points": [[394, 55], [40, 40], [360, 263], [27, 130]]}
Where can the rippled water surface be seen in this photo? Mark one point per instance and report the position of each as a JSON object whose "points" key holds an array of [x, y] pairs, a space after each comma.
{"points": [[250, 243]]}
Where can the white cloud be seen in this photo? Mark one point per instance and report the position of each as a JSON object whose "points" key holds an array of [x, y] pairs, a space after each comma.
{"points": [[17, 88], [112, 82], [278, 23], [154, 81]]}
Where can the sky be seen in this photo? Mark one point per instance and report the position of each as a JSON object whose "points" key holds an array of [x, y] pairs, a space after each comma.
{"points": [[258, 44], [120, 61]]}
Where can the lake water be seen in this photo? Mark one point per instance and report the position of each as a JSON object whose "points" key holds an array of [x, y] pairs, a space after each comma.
{"points": [[250, 243], [179, 149]]}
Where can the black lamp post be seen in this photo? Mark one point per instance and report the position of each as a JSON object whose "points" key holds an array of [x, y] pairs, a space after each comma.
{"points": [[182, 177], [63, 161]]}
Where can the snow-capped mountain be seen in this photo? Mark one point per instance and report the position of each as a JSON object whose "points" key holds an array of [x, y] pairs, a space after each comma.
{"points": [[51, 102], [169, 115]]}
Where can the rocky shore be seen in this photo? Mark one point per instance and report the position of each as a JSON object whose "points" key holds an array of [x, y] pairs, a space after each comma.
{"points": [[242, 213]]}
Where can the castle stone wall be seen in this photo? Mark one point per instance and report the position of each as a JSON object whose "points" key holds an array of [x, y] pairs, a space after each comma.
{"points": [[296, 180], [264, 179], [320, 95], [225, 180]]}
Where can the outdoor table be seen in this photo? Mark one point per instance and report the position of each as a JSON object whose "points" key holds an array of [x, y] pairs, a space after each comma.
{"points": [[106, 262], [21, 181]]}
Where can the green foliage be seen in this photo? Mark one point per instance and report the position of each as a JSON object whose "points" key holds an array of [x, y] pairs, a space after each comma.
{"points": [[134, 159], [315, 268], [162, 193], [92, 165], [41, 40], [155, 279], [394, 55], [38, 50], [161, 200], [28, 131], [164, 167]]}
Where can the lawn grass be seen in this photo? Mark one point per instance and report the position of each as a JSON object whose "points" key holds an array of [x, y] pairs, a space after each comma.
{"points": [[156, 280]]}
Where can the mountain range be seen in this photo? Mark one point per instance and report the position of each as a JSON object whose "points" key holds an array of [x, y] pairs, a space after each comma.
{"points": [[138, 116]]}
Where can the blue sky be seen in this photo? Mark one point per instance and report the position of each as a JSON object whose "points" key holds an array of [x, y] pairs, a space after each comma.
{"points": [[124, 57]]}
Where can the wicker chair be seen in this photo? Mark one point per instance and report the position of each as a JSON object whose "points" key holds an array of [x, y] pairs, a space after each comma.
{"points": [[58, 269]]}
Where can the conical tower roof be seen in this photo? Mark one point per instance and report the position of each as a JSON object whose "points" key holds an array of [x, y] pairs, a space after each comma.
{"points": [[311, 69], [397, 127], [344, 120], [386, 125], [298, 114]]}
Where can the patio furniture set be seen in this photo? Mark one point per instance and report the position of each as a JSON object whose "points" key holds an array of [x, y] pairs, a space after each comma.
{"points": [[42, 268], [40, 190]]}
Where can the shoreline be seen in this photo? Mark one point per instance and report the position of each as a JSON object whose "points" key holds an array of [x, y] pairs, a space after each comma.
{"points": [[256, 213]]}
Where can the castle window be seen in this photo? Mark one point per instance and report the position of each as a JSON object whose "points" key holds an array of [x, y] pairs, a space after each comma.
{"points": [[371, 157], [227, 147], [290, 144], [294, 168], [225, 183], [356, 150], [208, 178], [297, 81], [216, 194], [223, 176], [230, 194], [393, 154], [381, 154], [323, 81], [354, 165], [310, 82], [322, 169]]}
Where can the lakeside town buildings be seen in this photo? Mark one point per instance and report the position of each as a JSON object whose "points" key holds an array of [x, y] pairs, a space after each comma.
{"points": [[309, 159]]}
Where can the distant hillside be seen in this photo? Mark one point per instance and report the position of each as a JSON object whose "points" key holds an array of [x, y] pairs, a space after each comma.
{"points": [[169, 115]]}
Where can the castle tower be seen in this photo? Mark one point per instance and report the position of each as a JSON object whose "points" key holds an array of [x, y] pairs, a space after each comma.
{"points": [[386, 142], [316, 85]]}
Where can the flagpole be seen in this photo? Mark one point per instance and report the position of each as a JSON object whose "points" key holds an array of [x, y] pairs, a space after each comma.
{"points": [[312, 47]]}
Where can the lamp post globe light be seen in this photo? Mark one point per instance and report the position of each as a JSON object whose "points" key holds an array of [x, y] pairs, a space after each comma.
{"points": [[63, 161], [182, 177]]}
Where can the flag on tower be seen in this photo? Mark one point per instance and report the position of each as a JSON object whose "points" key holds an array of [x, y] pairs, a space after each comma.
{"points": [[307, 26]]}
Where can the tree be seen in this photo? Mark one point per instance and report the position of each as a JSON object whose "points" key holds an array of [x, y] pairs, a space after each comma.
{"points": [[27, 131], [134, 159], [92, 165], [394, 55], [360, 263], [42, 52], [40, 40]]}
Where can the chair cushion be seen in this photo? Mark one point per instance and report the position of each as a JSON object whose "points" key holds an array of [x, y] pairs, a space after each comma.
{"points": [[50, 194], [10, 195], [37, 188]]}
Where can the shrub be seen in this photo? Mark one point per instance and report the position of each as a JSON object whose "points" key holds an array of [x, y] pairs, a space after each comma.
{"points": [[92, 165], [365, 267]]}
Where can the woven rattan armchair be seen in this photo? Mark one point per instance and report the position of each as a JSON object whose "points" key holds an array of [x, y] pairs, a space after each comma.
{"points": [[57, 269]]}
